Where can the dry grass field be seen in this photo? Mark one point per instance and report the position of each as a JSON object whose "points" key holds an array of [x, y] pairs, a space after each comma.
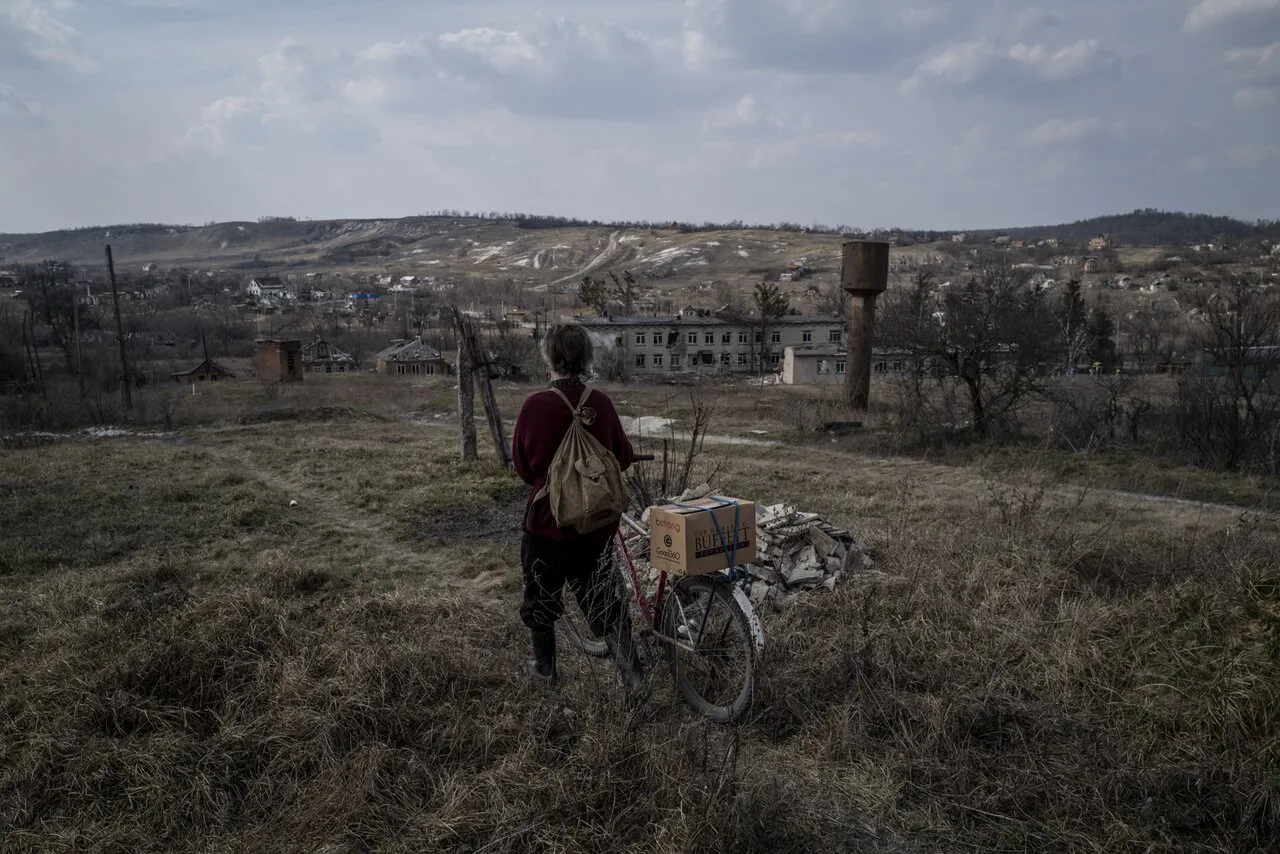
{"points": [[189, 663]]}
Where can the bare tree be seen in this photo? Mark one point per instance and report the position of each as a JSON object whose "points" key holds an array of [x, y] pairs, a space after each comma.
{"points": [[599, 293], [770, 305], [991, 337], [625, 290], [1228, 405], [49, 289], [833, 299], [1073, 326], [1148, 336]]}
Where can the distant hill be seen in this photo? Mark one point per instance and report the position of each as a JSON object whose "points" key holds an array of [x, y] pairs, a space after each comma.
{"points": [[1151, 227], [546, 249]]}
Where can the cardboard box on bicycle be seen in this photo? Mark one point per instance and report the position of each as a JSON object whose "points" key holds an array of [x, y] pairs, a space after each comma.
{"points": [[684, 540]]}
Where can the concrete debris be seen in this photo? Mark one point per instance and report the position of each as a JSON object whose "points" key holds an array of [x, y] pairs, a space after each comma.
{"points": [[693, 493], [802, 551]]}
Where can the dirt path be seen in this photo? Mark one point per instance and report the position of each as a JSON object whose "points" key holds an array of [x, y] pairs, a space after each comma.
{"points": [[967, 479], [603, 257], [365, 534]]}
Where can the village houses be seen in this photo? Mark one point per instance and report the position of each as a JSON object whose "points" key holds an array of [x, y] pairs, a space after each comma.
{"points": [[321, 357], [267, 287], [413, 357]]}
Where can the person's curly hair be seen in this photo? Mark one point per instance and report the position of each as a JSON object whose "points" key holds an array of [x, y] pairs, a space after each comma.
{"points": [[566, 348]]}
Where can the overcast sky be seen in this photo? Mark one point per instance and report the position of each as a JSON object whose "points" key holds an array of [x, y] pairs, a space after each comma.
{"points": [[917, 113]]}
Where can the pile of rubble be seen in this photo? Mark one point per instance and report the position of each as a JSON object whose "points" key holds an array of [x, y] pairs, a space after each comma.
{"points": [[796, 551], [801, 551]]}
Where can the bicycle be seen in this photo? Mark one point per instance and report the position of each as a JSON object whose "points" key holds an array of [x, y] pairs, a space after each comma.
{"points": [[706, 623]]}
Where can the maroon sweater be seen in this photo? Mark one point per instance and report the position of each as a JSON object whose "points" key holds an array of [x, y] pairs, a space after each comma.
{"points": [[543, 421]]}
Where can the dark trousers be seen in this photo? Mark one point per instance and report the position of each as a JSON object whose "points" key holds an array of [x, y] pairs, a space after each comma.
{"points": [[585, 565]]}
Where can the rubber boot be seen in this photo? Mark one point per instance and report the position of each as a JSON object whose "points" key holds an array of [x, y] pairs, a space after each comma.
{"points": [[542, 667], [623, 648]]}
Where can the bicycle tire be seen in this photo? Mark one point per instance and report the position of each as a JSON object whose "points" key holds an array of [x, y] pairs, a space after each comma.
{"points": [[708, 625], [573, 624], [573, 621]]}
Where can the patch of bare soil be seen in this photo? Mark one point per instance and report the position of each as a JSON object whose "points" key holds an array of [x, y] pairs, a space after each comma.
{"points": [[496, 523]]}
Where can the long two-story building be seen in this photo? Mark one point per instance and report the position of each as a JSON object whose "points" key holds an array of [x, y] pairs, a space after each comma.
{"points": [[701, 341]]}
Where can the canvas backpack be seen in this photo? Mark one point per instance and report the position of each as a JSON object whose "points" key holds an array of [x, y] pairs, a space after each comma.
{"points": [[584, 481]]}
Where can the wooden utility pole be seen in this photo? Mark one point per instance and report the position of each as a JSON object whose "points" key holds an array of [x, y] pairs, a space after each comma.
{"points": [[125, 391], [466, 403], [865, 275]]}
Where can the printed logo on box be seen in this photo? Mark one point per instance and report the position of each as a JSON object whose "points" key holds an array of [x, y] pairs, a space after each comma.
{"points": [[711, 543]]}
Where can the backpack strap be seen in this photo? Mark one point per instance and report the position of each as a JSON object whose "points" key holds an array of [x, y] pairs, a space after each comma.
{"points": [[577, 415], [576, 410]]}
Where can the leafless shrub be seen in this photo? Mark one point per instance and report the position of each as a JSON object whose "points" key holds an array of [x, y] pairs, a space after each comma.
{"points": [[1093, 413], [680, 463], [1228, 406]]}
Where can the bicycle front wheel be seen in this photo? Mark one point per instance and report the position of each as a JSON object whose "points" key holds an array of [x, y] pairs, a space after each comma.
{"points": [[713, 650], [573, 623]]}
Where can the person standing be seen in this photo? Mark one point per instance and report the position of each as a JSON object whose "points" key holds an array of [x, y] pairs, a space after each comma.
{"points": [[552, 556]]}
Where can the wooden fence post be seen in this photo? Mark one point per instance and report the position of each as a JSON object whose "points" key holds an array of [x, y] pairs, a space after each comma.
{"points": [[469, 341], [466, 404]]}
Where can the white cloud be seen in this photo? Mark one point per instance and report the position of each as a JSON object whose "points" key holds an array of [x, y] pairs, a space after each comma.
{"points": [[293, 87], [1209, 14], [1253, 58], [1083, 58], [411, 48], [1253, 97], [1058, 131], [745, 112], [987, 63], [504, 51], [813, 36], [46, 37], [958, 64], [14, 107]]}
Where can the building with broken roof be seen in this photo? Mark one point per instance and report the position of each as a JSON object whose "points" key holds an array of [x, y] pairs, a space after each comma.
{"points": [[698, 341], [321, 357], [206, 370], [413, 357]]}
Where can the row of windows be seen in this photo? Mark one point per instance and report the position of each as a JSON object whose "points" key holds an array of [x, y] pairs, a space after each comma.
{"points": [[834, 336], [824, 366], [415, 369], [657, 360]]}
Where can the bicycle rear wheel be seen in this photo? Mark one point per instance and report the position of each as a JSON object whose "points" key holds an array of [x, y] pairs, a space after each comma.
{"points": [[713, 656]]}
